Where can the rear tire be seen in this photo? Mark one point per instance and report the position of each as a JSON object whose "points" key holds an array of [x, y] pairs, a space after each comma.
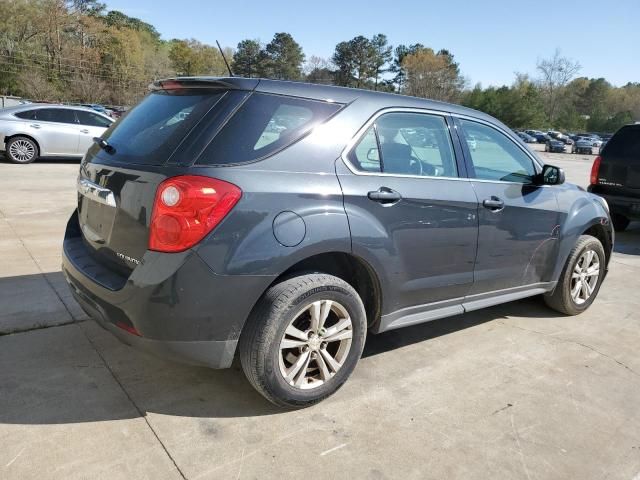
{"points": [[620, 222], [586, 257], [293, 360], [22, 150]]}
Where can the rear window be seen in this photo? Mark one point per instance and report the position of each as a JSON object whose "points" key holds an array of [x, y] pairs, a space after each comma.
{"points": [[263, 125], [151, 131], [624, 144]]}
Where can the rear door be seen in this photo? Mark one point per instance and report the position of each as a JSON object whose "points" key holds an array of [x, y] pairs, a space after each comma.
{"points": [[90, 125], [619, 172], [411, 212], [56, 131], [518, 221]]}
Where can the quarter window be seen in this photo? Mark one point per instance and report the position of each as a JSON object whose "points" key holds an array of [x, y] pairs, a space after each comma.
{"points": [[264, 124], [27, 115], [406, 144], [494, 156]]}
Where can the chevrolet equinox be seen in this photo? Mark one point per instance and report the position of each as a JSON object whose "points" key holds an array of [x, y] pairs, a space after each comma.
{"points": [[283, 221]]}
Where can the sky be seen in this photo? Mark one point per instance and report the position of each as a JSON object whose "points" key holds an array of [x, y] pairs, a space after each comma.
{"points": [[491, 39]]}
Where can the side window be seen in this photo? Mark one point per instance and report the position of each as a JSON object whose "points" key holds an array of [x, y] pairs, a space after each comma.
{"points": [[264, 124], [27, 115], [365, 155], [92, 120], [58, 115], [495, 156], [410, 143]]}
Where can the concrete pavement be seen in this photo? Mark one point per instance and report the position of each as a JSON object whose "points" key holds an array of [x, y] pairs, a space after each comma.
{"points": [[514, 391]]}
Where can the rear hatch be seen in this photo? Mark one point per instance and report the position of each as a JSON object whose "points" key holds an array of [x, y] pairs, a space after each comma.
{"points": [[157, 139], [619, 172]]}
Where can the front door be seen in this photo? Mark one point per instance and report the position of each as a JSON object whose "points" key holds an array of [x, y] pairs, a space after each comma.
{"points": [[518, 220], [412, 217], [90, 125]]}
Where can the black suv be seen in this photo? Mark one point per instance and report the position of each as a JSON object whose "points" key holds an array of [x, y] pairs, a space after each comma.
{"points": [[284, 221], [615, 175]]}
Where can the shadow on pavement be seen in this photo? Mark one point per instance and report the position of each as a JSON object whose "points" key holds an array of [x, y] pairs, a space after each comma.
{"points": [[80, 373], [628, 242]]}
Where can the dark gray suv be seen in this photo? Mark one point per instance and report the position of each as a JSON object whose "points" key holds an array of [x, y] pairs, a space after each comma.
{"points": [[284, 221]]}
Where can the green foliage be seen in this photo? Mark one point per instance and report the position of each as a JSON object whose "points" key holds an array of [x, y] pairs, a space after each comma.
{"points": [[360, 61], [246, 59], [282, 58]]}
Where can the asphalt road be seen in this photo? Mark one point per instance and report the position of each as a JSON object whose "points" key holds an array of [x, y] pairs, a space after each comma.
{"points": [[514, 391]]}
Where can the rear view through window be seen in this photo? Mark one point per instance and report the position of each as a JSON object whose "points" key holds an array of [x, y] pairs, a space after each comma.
{"points": [[150, 133], [263, 125]]}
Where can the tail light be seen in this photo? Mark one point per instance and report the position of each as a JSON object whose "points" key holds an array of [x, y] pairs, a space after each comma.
{"points": [[186, 209], [595, 171]]}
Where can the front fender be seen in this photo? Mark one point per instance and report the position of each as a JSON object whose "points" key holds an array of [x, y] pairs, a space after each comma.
{"points": [[581, 212]]}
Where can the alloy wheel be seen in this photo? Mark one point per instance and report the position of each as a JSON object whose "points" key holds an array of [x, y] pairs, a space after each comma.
{"points": [[584, 278], [22, 150], [315, 344]]}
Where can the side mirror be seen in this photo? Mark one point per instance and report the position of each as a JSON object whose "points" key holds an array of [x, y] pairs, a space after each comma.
{"points": [[373, 155], [552, 175]]}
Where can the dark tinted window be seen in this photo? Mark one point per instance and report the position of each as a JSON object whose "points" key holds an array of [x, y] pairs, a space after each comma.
{"points": [[624, 144], [58, 115], [28, 115], [495, 156], [152, 130], [92, 119], [264, 124], [412, 144]]}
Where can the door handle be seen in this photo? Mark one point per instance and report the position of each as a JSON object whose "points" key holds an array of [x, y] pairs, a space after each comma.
{"points": [[34, 125], [84, 130], [493, 204], [384, 195]]}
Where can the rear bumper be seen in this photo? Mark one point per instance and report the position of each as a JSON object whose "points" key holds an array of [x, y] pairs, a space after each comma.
{"points": [[628, 207], [172, 305]]}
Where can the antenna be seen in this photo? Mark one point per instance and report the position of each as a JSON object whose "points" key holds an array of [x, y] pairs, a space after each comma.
{"points": [[224, 58]]}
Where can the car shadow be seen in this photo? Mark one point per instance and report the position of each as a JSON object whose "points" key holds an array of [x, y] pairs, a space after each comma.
{"points": [[69, 160], [628, 242], [80, 373]]}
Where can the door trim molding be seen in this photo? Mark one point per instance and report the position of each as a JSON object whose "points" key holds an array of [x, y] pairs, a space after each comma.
{"points": [[433, 311]]}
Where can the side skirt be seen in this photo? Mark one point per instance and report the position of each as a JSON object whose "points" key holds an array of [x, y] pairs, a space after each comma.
{"points": [[434, 311]]}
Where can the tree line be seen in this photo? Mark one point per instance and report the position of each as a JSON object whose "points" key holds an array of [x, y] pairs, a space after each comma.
{"points": [[79, 51]]}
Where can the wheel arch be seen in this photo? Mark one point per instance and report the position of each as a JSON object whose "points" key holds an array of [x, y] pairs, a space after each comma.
{"points": [[14, 135], [352, 269], [587, 216]]}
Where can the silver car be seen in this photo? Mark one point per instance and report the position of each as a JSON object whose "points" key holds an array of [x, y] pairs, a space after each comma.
{"points": [[31, 131]]}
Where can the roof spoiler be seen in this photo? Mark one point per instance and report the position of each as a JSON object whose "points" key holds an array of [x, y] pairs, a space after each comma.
{"points": [[227, 83]]}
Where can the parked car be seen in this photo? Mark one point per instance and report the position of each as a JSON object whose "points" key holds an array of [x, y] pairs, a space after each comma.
{"points": [[604, 143], [198, 236], [554, 145], [595, 140], [32, 131], [542, 137], [615, 175], [582, 145], [561, 137], [526, 137]]}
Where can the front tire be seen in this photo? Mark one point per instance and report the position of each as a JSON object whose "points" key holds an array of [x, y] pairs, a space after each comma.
{"points": [[581, 278], [303, 339], [22, 150]]}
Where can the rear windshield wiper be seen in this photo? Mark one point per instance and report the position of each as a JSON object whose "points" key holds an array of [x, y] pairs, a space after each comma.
{"points": [[103, 144]]}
